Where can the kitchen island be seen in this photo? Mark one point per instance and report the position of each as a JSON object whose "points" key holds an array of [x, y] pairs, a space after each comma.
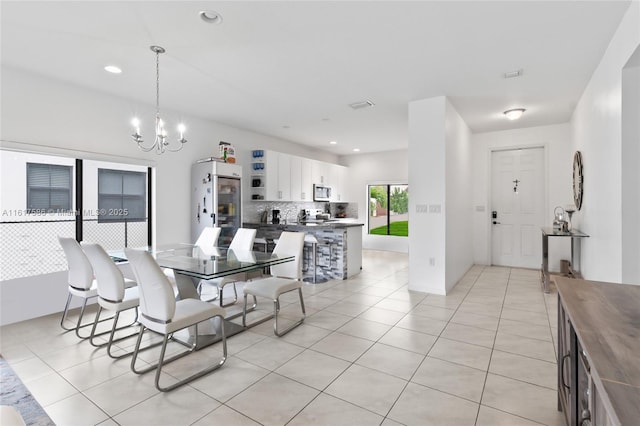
{"points": [[339, 249]]}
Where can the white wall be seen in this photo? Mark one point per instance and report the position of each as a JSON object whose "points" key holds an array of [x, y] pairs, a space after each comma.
{"points": [[631, 171], [427, 174], [38, 113], [556, 140], [440, 199], [371, 169], [597, 127], [459, 224]]}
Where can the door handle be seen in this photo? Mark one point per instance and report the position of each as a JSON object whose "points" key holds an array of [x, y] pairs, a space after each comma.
{"points": [[496, 222], [562, 370]]}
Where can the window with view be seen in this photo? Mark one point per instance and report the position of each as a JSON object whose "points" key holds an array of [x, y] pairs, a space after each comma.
{"points": [[121, 196], [48, 188], [389, 210]]}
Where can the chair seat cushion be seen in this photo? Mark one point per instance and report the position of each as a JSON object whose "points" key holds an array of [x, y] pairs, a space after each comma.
{"points": [[188, 312], [221, 282], [271, 287]]}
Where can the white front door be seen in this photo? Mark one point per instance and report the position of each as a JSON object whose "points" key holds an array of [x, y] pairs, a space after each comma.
{"points": [[517, 200]]}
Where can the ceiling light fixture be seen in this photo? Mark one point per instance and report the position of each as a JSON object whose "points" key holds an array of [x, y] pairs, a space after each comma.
{"points": [[361, 104], [112, 69], [333, 143], [515, 113], [160, 143], [211, 17], [356, 149]]}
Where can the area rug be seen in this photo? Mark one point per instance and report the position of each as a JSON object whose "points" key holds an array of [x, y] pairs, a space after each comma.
{"points": [[15, 394]]}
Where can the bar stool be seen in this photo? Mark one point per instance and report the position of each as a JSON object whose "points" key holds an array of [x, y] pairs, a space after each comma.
{"points": [[313, 241], [264, 242]]}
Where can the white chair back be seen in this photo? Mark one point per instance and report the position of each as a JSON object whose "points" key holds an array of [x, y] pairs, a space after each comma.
{"points": [[157, 301], [243, 239], [208, 237], [289, 243], [108, 276], [80, 270]]}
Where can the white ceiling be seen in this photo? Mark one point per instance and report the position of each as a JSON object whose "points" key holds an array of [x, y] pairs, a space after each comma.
{"points": [[298, 64]]}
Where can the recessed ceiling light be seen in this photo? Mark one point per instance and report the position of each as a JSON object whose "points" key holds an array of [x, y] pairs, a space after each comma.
{"points": [[211, 17], [112, 69], [333, 143], [356, 149], [515, 113]]}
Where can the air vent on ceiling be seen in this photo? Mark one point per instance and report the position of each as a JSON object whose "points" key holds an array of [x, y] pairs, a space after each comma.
{"points": [[361, 104], [512, 74]]}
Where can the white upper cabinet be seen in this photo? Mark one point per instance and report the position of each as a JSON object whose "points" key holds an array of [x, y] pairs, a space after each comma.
{"points": [[301, 184], [320, 173], [277, 176], [339, 183], [285, 177], [306, 182]]}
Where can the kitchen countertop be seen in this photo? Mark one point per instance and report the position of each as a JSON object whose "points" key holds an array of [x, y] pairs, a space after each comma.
{"points": [[606, 318], [327, 224]]}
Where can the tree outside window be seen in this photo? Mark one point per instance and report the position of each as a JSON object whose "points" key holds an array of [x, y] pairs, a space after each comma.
{"points": [[388, 210]]}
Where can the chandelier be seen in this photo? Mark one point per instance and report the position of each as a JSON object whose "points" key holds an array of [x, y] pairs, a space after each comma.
{"points": [[160, 143]]}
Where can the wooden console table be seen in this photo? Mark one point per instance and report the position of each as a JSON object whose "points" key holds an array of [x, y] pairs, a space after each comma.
{"points": [[598, 347], [575, 236]]}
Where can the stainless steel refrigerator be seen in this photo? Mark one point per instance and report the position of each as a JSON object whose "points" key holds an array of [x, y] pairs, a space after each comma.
{"points": [[216, 199]]}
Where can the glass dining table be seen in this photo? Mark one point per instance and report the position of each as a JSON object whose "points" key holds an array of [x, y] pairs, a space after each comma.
{"points": [[190, 264]]}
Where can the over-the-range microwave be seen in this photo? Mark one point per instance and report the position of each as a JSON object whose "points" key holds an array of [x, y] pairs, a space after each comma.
{"points": [[321, 192]]}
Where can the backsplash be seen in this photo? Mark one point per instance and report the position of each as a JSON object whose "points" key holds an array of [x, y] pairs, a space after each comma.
{"points": [[289, 210]]}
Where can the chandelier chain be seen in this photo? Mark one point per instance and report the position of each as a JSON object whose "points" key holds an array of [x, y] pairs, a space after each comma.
{"points": [[158, 83]]}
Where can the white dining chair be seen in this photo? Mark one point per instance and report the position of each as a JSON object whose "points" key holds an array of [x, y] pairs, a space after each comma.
{"points": [[208, 237], [161, 313], [285, 277], [115, 293], [242, 242], [81, 282], [207, 242]]}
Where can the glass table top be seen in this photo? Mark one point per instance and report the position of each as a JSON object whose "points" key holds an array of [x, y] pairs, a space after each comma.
{"points": [[208, 262]]}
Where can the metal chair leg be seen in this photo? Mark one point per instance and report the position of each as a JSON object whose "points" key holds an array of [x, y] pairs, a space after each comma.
{"points": [[161, 361], [64, 313], [276, 310], [292, 326], [112, 332], [220, 296]]}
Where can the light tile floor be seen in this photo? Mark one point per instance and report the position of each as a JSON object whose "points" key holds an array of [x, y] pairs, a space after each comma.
{"points": [[369, 353]]}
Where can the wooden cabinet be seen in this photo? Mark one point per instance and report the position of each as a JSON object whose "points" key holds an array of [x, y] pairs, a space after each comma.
{"points": [[598, 371], [567, 374]]}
